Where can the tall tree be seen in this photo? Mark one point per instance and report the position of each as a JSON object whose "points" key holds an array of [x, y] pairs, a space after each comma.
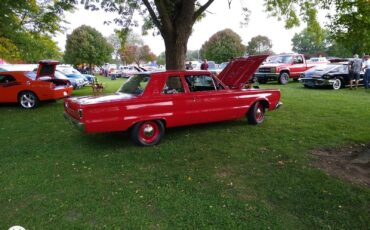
{"points": [[85, 45], [259, 45], [25, 22], [351, 26], [138, 54], [306, 42], [222, 46]]}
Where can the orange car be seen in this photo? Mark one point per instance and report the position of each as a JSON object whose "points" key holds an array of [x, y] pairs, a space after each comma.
{"points": [[28, 88]]}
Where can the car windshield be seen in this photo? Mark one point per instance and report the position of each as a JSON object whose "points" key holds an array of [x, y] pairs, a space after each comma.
{"points": [[70, 71], [135, 85], [59, 75], [327, 68], [280, 59], [223, 65]]}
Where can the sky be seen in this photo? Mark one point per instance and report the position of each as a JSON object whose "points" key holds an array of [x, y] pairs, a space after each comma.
{"points": [[219, 17]]}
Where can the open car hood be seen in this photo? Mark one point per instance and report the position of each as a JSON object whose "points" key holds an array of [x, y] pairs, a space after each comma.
{"points": [[46, 68], [240, 70]]}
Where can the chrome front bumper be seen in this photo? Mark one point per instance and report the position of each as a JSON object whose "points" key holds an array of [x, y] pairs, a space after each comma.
{"points": [[278, 105], [74, 122], [316, 81]]}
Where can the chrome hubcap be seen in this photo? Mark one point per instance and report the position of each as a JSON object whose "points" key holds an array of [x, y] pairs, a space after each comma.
{"points": [[148, 131], [27, 100]]}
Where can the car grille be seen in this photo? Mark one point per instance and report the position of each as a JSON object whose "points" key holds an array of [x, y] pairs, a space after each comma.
{"points": [[264, 70]]}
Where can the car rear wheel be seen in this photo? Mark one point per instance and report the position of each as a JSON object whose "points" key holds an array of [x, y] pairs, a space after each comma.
{"points": [[284, 78], [28, 100], [147, 133], [337, 84], [256, 114]]}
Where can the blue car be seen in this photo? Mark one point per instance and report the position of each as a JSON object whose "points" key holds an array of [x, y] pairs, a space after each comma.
{"points": [[77, 81], [73, 73]]}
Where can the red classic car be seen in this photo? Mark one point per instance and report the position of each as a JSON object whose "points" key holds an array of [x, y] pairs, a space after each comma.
{"points": [[28, 88], [148, 103]]}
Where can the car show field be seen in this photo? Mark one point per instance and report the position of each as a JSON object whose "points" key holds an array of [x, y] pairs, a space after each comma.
{"points": [[226, 175]]}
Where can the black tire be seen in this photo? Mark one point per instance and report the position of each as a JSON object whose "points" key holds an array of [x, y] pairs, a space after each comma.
{"points": [[284, 78], [147, 133], [28, 100], [337, 84], [256, 114]]}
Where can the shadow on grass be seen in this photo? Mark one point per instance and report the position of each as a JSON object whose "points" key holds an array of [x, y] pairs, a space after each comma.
{"points": [[122, 139]]}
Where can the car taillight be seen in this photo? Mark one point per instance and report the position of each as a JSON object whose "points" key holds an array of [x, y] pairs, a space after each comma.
{"points": [[80, 113]]}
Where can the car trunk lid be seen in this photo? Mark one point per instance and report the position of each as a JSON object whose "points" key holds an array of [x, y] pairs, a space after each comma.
{"points": [[46, 69], [240, 70]]}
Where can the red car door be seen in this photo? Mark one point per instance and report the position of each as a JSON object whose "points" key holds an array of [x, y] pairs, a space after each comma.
{"points": [[9, 88], [209, 102], [298, 66], [176, 101]]}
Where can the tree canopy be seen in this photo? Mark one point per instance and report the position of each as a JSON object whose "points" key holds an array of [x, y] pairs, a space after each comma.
{"points": [[259, 45], [222, 46], [26, 28], [85, 45], [307, 43]]}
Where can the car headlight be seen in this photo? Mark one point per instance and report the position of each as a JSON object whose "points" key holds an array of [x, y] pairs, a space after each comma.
{"points": [[273, 69], [325, 76]]}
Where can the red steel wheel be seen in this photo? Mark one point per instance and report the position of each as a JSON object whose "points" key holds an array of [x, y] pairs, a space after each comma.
{"points": [[147, 133], [256, 114]]}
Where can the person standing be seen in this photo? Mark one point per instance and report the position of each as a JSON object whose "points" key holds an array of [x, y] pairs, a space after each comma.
{"points": [[367, 71], [204, 65], [189, 66], [355, 69]]}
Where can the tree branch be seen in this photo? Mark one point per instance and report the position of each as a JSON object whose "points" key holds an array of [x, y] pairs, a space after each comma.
{"points": [[202, 9], [152, 14]]}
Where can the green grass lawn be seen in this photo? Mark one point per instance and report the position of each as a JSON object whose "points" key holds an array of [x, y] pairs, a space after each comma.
{"points": [[227, 175]]}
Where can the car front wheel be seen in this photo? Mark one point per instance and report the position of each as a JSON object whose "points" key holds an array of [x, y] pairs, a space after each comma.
{"points": [[256, 114], [284, 78], [337, 84], [147, 133], [28, 100]]}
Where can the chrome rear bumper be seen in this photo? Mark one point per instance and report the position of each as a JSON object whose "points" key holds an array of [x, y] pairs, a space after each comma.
{"points": [[278, 105], [76, 123]]}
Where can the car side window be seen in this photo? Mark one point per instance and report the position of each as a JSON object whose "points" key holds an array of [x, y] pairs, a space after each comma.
{"points": [[198, 83], [4, 79], [298, 60], [173, 85]]}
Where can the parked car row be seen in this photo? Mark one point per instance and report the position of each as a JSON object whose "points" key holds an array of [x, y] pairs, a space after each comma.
{"points": [[126, 71]]}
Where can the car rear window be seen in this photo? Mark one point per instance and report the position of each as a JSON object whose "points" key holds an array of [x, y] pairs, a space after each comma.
{"points": [[135, 85], [31, 75]]}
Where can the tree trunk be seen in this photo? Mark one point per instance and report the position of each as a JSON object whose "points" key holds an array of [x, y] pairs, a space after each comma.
{"points": [[175, 27], [176, 53]]}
